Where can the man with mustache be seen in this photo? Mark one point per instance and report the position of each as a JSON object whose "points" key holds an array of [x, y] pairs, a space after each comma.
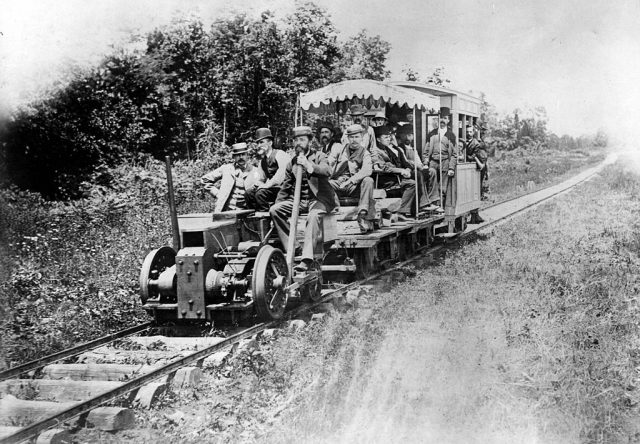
{"points": [[316, 198], [271, 169], [352, 177], [368, 136], [231, 194], [476, 152], [390, 161], [441, 155], [330, 147]]}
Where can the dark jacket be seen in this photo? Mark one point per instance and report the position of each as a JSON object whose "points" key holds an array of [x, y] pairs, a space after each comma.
{"points": [[319, 185], [476, 148], [384, 159]]}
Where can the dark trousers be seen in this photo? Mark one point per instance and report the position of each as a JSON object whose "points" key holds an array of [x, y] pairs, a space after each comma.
{"points": [[261, 199], [444, 181], [365, 192], [408, 186], [313, 238]]}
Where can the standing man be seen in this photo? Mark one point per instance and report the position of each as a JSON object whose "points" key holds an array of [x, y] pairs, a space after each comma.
{"points": [[369, 137], [352, 177], [441, 155], [316, 198], [392, 164], [231, 194], [271, 169], [476, 152], [330, 147]]}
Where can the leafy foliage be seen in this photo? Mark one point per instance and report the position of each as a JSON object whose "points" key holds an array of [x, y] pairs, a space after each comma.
{"points": [[364, 56], [239, 74]]}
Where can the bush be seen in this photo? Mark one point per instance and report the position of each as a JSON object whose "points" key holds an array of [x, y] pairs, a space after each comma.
{"points": [[71, 268]]}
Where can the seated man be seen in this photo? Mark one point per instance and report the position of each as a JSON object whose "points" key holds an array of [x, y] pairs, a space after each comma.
{"points": [[441, 155], [231, 194], [272, 168], [391, 159], [356, 112], [405, 135], [476, 152], [317, 197], [352, 177], [329, 146]]}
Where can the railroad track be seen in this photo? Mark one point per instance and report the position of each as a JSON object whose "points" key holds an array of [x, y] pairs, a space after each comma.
{"points": [[100, 383]]}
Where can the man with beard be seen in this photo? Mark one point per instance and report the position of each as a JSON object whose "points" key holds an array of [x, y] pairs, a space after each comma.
{"points": [[441, 155], [391, 162], [476, 152], [231, 194], [316, 197], [330, 147], [352, 177], [369, 137], [405, 134], [271, 169]]}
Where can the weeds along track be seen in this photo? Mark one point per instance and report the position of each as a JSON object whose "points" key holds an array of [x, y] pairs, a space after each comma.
{"points": [[135, 369]]}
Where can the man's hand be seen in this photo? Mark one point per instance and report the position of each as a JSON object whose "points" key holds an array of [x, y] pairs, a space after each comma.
{"points": [[346, 184], [406, 173], [450, 173], [304, 162]]}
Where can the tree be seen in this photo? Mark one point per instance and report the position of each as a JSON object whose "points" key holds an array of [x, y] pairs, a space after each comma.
{"points": [[363, 56], [411, 75], [437, 77], [314, 51]]}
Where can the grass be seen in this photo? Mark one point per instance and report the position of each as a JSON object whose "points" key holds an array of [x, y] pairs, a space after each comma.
{"points": [[514, 173], [529, 335], [69, 270]]}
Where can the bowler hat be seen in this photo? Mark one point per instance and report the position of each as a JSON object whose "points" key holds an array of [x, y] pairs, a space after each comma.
{"points": [[383, 130], [357, 110], [354, 129], [263, 133], [327, 125], [239, 148], [302, 131]]}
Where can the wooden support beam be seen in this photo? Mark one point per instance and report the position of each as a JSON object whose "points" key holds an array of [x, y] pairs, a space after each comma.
{"points": [[148, 394], [178, 343], [55, 390], [95, 372], [112, 356], [111, 419], [14, 411], [51, 436]]}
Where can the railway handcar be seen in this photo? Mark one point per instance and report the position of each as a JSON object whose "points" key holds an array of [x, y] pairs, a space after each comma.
{"points": [[226, 267]]}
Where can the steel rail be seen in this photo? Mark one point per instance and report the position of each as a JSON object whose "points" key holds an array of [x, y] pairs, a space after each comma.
{"points": [[85, 406], [40, 362]]}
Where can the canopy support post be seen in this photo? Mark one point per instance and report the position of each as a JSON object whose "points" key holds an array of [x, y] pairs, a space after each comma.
{"points": [[415, 163]]}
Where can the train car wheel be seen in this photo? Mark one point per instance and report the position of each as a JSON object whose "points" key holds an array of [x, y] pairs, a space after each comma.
{"points": [[269, 282], [313, 292], [155, 263]]}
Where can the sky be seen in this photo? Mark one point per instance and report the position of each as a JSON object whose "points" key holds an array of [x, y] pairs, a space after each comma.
{"points": [[578, 59]]}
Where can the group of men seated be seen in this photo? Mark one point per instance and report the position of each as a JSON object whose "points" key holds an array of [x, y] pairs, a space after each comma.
{"points": [[367, 157]]}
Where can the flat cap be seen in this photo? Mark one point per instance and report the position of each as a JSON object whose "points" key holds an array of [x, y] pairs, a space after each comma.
{"points": [[239, 148], [354, 129], [302, 131]]}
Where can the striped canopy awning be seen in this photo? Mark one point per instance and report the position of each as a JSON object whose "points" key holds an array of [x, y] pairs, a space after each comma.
{"points": [[368, 89]]}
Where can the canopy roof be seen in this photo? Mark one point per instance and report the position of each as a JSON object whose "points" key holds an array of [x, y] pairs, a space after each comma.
{"points": [[365, 89]]}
